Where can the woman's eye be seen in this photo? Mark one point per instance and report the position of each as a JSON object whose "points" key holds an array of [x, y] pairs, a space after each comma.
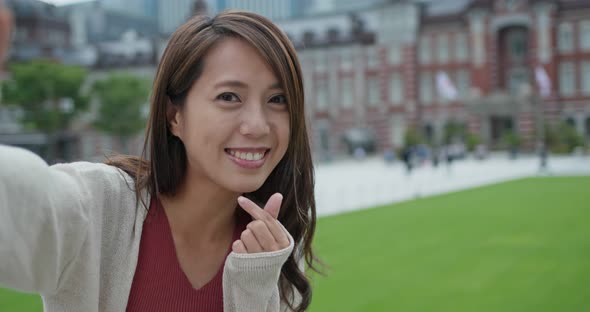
{"points": [[228, 97], [279, 99]]}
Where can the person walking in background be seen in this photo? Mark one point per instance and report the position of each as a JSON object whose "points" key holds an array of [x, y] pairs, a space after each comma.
{"points": [[449, 152], [218, 213], [542, 149], [407, 157], [435, 156]]}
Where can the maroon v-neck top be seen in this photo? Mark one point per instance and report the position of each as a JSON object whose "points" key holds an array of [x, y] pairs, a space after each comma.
{"points": [[159, 283]]}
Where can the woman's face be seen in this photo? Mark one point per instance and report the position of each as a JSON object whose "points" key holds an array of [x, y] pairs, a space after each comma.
{"points": [[235, 122]]}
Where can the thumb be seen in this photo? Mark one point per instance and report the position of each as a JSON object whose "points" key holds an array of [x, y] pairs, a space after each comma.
{"points": [[273, 205]]}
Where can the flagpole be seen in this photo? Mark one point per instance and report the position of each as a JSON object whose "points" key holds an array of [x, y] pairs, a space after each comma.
{"points": [[540, 119], [543, 90]]}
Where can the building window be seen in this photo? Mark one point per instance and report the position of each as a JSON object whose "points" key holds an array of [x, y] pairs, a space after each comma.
{"points": [[396, 89], [373, 90], [585, 35], [55, 37], [463, 82], [346, 58], [347, 88], [567, 78], [517, 79], [586, 77], [320, 61], [21, 34], [394, 56], [424, 48], [426, 88], [372, 57], [321, 93], [442, 49], [511, 5], [398, 129], [461, 53], [565, 37], [517, 45]]}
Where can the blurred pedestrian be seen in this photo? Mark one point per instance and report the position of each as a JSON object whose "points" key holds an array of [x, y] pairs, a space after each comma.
{"points": [[389, 155], [407, 157], [359, 153], [145, 233], [435, 156], [449, 154], [480, 152], [542, 148]]}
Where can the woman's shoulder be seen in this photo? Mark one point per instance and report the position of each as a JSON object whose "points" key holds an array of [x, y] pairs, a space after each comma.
{"points": [[107, 186], [107, 176], [110, 191]]}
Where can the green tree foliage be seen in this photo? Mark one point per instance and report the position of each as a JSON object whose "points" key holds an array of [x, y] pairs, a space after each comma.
{"points": [[122, 98], [48, 92], [473, 140], [511, 140], [562, 138], [413, 137], [453, 131]]}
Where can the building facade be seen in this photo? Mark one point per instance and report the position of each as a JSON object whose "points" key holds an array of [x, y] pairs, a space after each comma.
{"points": [[490, 67], [172, 14], [39, 31], [145, 8], [275, 10], [106, 37]]}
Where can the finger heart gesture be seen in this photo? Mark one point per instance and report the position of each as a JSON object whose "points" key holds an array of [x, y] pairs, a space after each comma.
{"points": [[264, 233]]}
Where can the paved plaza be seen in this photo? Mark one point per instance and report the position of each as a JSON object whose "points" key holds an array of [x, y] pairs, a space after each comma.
{"points": [[348, 185]]}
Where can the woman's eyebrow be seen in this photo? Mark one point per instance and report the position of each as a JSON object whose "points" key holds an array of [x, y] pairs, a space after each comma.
{"points": [[231, 83], [276, 85], [241, 84]]}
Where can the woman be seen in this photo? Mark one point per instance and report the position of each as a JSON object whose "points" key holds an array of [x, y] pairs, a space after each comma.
{"points": [[219, 215]]}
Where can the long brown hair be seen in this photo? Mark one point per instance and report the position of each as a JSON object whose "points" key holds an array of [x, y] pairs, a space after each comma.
{"points": [[164, 168]]}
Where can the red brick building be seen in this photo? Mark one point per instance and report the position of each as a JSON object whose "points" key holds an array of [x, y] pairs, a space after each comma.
{"points": [[384, 69]]}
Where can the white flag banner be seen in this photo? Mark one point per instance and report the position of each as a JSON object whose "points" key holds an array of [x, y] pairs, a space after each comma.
{"points": [[445, 87], [543, 81]]}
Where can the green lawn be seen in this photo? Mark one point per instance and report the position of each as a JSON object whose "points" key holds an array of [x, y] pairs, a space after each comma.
{"points": [[516, 246], [12, 301]]}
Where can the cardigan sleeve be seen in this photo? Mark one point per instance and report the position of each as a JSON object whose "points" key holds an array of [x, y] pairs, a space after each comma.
{"points": [[43, 220], [250, 281]]}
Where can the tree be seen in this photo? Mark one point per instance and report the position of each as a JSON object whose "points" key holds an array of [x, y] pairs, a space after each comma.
{"points": [[413, 137], [511, 139], [122, 98], [48, 92], [453, 131], [50, 97], [473, 140], [562, 138]]}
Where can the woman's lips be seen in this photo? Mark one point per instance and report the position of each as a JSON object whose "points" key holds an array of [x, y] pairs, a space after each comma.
{"points": [[249, 158]]}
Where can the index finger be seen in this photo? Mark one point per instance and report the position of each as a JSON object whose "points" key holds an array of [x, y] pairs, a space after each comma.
{"points": [[252, 209], [272, 207], [268, 215]]}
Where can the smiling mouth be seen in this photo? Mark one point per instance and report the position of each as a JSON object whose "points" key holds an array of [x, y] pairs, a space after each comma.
{"points": [[249, 158], [247, 154]]}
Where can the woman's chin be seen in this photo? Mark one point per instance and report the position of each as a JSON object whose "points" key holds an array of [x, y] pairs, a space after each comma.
{"points": [[245, 187]]}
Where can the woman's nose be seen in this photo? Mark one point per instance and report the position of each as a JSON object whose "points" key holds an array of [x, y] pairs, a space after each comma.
{"points": [[254, 122]]}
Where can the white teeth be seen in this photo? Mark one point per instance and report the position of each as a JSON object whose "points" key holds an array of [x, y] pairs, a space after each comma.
{"points": [[246, 156]]}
